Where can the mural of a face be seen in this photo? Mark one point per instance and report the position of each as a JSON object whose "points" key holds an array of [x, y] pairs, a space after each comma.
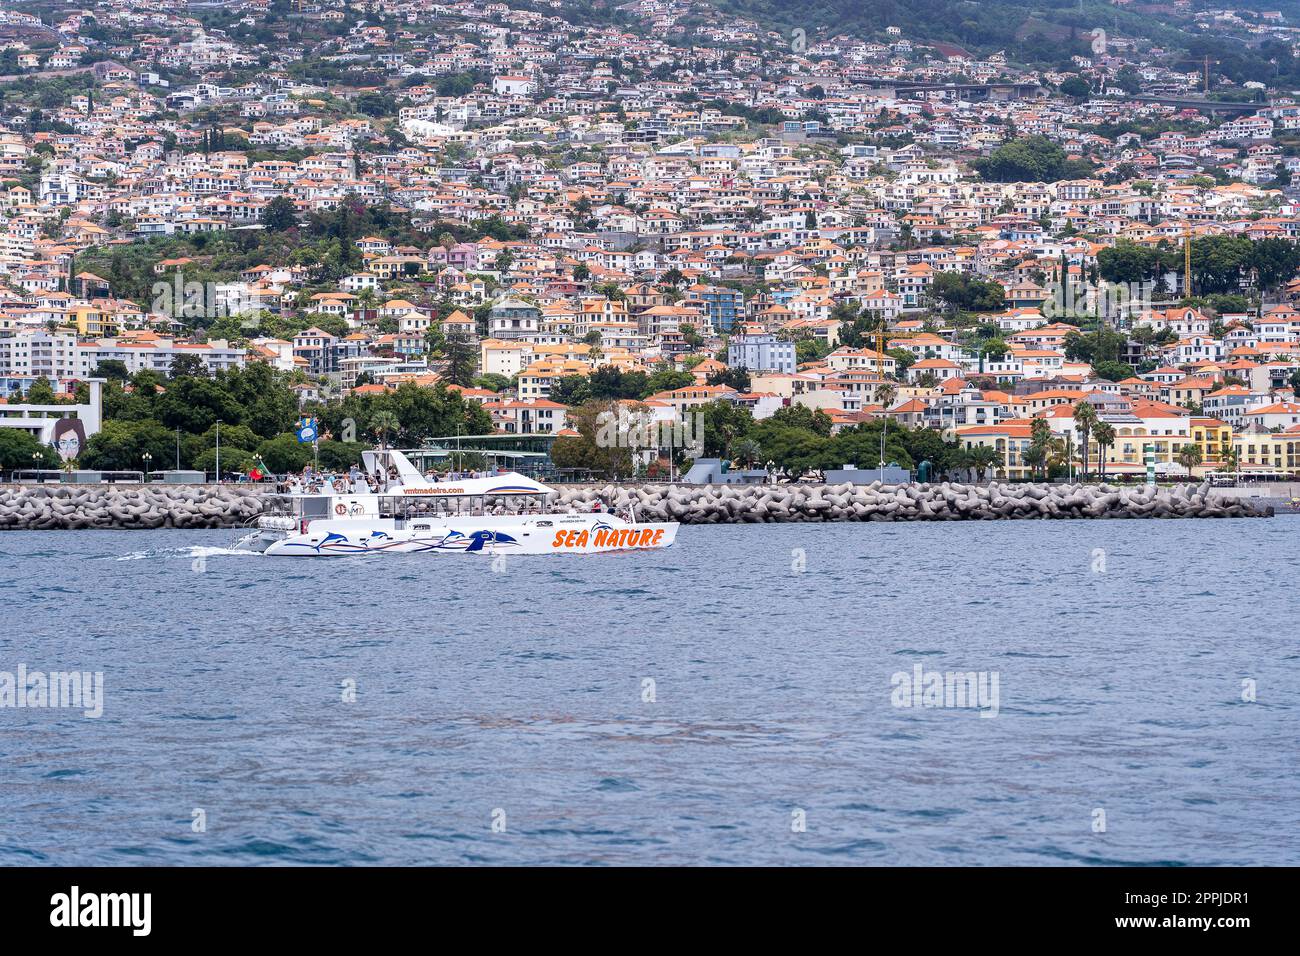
{"points": [[69, 438]]}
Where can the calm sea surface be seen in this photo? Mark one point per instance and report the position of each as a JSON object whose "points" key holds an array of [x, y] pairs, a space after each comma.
{"points": [[523, 696]]}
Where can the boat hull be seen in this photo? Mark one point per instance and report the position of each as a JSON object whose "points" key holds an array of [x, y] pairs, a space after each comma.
{"points": [[483, 536]]}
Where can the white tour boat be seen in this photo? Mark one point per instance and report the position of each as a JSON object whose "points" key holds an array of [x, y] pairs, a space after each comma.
{"points": [[413, 515]]}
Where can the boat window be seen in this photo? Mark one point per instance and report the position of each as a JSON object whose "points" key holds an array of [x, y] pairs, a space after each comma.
{"points": [[317, 506], [421, 527], [543, 524]]}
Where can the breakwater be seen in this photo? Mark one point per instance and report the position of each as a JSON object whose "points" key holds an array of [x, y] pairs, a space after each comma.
{"points": [[79, 507], [949, 501], [75, 507]]}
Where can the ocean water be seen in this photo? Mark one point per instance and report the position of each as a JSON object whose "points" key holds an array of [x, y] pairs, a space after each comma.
{"points": [[732, 700]]}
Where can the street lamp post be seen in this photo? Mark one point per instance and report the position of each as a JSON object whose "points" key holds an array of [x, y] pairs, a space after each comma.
{"points": [[36, 457], [218, 451], [147, 458]]}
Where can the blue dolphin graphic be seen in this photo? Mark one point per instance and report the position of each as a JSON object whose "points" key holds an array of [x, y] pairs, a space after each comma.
{"points": [[480, 538], [332, 536]]}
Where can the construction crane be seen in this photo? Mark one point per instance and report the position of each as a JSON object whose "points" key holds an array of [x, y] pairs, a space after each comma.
{"points": [[1205, 67]]}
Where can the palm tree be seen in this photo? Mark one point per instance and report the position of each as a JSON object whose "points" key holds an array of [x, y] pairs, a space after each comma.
{"points": [[1035, 456], [746, 451], [885, 395], [1189, 456], [1085, 420], [1104, 433], [981, 458], [383, 423], [1058, 454], [1229, 459], [1040, 438]]}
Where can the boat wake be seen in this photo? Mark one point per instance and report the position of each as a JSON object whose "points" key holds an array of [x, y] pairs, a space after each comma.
{"points": [[191, 552]]}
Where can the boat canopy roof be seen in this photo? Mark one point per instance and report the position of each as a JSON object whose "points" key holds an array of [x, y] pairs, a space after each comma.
{"points": [[411, 482], [511, 483]]}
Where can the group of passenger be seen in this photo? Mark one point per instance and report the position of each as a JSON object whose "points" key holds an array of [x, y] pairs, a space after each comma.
{"points": [[356, 481]]}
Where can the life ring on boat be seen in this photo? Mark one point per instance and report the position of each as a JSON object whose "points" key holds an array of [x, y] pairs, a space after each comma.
{"points": [[340, 509]]}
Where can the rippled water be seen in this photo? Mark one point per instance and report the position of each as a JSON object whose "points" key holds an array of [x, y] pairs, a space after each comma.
{"points": [[519, 693]]}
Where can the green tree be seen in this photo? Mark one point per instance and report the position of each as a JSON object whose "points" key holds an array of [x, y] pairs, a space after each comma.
{"points": [[280, 214], [17, 448], [1190, 456], [1085, 420], [588, 451], [667, 380], [1040, 440], [1274, 261], [195, 404], [461, 358], [493, 382], [980, 458], [572, 390], [801, 416], [1128, 262], [284, 453], [1104, 435], [114, 369], [1113, 371], [737, 378], [1076, 87], [1030, 159], [120, 446], [959, 291], [724, 423], [383, 424], [40, 392]]}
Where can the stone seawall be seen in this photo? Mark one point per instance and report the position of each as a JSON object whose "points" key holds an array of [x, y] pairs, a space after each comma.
{"points": [[73, 507], [76, 507], [714, 504]]}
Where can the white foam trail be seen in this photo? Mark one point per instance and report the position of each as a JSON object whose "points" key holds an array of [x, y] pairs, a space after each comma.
{"points": [[193, 551]]}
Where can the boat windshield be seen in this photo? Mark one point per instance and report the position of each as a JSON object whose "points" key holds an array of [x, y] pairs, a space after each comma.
{"points": [[456, 505]]}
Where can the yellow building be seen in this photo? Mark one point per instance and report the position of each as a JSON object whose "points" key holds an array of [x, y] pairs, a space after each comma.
{"points": [[1010, 439], [1275, 451], [92, 322], [1128, 454], [1215, 439], [536, 380]]}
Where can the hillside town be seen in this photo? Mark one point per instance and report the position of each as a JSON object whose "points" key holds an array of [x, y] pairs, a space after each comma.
{"points": [[474, 228]]}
